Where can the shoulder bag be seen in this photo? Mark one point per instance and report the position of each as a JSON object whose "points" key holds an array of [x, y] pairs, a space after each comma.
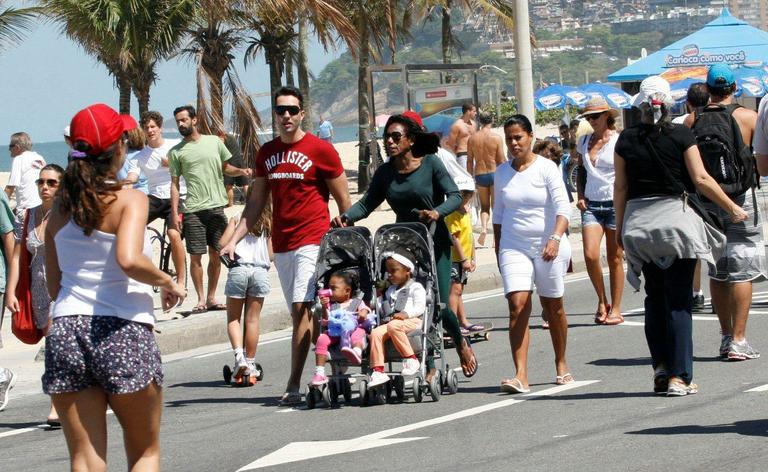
{"points": [[23, 324]]}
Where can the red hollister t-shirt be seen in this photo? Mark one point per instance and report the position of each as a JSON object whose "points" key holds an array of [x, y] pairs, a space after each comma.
{"points": [[297, 173]]}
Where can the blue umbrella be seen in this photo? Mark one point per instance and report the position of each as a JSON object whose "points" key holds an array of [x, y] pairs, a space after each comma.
{"points": [[615, 97], [558, 96], [750, 82], [680, 89]]}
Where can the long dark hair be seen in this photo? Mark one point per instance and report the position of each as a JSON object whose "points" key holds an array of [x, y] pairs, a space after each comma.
{"points": [[89, 186], [423, 143]]}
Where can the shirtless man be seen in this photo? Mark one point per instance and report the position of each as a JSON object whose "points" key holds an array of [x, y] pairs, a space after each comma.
{"points": [[485, 151], [461, 130]]}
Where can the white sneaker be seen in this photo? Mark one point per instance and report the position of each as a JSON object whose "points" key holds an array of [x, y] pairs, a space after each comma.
{"points": [[241, 366], [378, 378], [410, 367]]}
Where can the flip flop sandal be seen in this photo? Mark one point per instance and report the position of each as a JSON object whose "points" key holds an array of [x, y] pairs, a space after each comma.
{"points": [[513, 386], [465, 368], [217, 307], [290, 399], [197, 310], [564, 379], [475, 327], [613, 320]]}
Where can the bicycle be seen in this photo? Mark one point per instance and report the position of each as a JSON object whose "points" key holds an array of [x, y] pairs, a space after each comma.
{"points": [[165, 253]]}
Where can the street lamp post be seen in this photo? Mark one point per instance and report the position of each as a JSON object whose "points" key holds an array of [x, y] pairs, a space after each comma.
{"points": [[523, 62]]}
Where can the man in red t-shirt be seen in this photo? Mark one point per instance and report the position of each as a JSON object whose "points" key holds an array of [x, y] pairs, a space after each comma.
{"points": [[300, 171]]}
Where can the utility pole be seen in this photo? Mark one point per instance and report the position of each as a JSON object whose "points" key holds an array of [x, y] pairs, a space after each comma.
{"points": [[523, 63]]}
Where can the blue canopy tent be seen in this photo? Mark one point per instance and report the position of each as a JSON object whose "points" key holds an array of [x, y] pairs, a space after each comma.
{"points": [[558, 96], [725, 39]]}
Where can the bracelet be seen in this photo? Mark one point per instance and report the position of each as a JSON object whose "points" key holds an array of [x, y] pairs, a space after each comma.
{"points": [[555, 238]]}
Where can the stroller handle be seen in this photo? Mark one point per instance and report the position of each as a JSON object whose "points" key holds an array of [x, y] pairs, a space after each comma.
{"points": [[432, 226]]}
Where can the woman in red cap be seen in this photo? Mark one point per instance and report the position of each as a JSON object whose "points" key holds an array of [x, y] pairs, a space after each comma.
{"points": [[100, 349]]}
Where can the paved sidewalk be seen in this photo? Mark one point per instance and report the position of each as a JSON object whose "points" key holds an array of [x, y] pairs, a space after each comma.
{"points": [[176, 333]]}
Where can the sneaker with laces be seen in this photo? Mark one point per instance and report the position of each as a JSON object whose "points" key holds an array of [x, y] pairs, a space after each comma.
{"points": [[725, 345], [241, 366], [660, 381], [9, 380], [351, 355], [378, 378], [698, 302], [252, 373], [410, 367], [318, 379], [678, 388], [742, 351]]}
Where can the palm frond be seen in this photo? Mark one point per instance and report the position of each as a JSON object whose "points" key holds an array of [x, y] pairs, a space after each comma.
{"points": [[14, 24]]}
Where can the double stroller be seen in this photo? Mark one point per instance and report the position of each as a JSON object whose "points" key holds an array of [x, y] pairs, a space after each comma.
{"points": [[351, 249]]}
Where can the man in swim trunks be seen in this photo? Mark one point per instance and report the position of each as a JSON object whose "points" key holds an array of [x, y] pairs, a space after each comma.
{"points": [[461, 130], [485, 151]]}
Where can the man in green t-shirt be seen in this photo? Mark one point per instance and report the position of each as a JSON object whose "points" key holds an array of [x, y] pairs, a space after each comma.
{"points": [[202, 160], [7, 377]]}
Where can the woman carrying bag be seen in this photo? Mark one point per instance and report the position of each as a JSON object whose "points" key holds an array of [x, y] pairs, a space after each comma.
{"points": [[658, 172]]}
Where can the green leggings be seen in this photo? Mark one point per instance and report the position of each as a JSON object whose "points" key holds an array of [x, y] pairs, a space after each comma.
{"points": [[448, 317]]}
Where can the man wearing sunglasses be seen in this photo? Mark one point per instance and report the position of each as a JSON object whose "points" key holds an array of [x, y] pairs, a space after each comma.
{"points": [[202, 160], [300, 171], [25, 168]]}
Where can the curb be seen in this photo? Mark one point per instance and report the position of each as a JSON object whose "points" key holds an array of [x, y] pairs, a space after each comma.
{"points": [[210, 328]]}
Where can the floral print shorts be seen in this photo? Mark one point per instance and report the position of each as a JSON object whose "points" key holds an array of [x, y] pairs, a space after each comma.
{"points": [[118, 355]]}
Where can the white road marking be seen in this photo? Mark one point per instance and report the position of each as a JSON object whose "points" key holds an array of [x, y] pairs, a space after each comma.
{"points": [[762, 388], [42, 426], [300, 451]]}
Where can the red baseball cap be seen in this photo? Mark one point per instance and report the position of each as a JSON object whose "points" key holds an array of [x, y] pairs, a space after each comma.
{"points": [[99, 126], [415, 117]]}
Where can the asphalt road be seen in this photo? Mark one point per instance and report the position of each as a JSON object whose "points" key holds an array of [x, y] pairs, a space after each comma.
{"points": [[608, 420]]}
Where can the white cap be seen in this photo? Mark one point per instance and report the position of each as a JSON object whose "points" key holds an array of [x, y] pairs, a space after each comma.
{"points": [[66, 131], [653, 85]]}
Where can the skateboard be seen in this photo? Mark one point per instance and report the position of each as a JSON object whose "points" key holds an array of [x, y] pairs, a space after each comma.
{"points": [[473, 336]]}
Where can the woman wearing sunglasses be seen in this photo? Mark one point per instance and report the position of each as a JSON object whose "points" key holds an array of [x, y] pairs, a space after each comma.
{"points": [[414, 178], [595, 200], [31, 228]]}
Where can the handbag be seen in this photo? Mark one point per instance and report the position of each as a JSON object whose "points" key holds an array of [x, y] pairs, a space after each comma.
{"points": [[23, 321], [692, 200]]}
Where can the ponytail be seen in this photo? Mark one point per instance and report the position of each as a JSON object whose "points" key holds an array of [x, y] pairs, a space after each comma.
{"points": [[89, 187]]}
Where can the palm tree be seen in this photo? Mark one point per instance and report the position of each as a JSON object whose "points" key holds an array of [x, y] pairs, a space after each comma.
{"points": [[14, 23], [128, 37]]}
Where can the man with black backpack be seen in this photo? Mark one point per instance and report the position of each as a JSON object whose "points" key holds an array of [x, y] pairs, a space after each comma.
{"points": [[723, 133]]}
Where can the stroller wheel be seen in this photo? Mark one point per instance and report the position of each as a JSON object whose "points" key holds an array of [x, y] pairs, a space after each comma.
{"points": [[311, 398], [325, 393], [346, 389], [363, 390], [398, 384], [261, 372], [227, 374], [434, 386], [333, 389], [380, 395], [418, 395], [450, 382]]}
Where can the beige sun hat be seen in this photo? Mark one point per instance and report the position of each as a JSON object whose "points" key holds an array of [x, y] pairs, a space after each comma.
{"points": [[597, 105]]}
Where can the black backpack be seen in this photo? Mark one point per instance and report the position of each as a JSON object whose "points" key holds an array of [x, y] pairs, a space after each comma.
{"points": [[727, 159]]}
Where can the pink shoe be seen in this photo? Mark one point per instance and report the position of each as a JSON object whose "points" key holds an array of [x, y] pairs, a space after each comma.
{"points": [[318, 380], [351, 355]]}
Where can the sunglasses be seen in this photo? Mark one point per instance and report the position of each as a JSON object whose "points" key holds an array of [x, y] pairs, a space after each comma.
{"points": [[292, 110], [594, 116], [49, 182], [396, 136]]}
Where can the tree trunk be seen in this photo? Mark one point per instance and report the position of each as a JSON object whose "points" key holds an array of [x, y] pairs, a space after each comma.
{"points": [[392, 30], [275, 81], [216, 91], [447, 38], [142, 96], [303, 72], [289, 79], [124, 87], [363, 108]]}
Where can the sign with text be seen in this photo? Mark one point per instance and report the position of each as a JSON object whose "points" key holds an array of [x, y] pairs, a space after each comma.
{"points": [[691, 56]]}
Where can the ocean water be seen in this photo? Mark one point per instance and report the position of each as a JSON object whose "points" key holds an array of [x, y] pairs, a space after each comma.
{"points": [[55, 152]]}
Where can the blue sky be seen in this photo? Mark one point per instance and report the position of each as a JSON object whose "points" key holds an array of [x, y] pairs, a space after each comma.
{"points": [[48, 78]]}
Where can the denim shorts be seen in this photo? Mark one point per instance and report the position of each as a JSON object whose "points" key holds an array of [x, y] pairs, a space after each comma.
{"points": [[247, 281], [118, 355], [599, 213]]}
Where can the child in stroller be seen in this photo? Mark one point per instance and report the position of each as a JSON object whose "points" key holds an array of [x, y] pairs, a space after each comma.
{"points": [[347, 320], [402, 307]]}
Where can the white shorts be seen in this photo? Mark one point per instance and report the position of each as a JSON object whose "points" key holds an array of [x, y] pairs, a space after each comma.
{"points": [[522, 271], [296, 270]]}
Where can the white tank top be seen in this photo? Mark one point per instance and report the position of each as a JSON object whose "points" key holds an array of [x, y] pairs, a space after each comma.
{"points": [[253, 250], [92, 283]]}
